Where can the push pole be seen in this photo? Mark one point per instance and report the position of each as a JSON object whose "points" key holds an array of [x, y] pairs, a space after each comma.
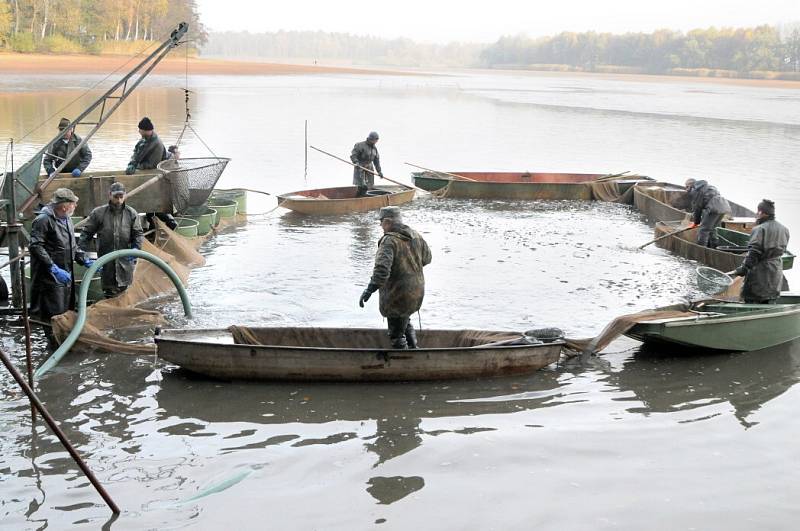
{"points": [[61, 437], [27, 324]]}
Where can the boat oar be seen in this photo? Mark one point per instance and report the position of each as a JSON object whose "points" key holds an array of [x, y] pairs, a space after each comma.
{"points": [[369, 171], [453, 175], [612, 176], [666, 236]]}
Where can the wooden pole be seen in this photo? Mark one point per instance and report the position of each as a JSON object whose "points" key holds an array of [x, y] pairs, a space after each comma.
{"points": [[453, 175], [370, 171], [305, 172], [666, 236]]}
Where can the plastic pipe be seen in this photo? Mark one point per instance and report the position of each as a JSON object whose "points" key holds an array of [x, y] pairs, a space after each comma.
{"points": [[53, 360]]}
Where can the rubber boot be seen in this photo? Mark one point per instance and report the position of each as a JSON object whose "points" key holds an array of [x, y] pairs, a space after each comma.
{"points": [[411, 336], [397, 332]]}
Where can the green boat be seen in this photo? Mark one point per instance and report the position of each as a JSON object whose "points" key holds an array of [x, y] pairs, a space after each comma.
{"points": [[735, 241], [725, 326]]}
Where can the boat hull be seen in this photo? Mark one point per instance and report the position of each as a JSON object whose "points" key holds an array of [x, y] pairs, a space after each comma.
{"points": [[509, 185], [751, 327], [340, 200], [212, 353]]}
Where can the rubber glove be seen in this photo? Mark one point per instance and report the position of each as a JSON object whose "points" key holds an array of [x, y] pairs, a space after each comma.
{"points": [[131, 169], [76, 172], [693, 225], [61, 276], [88, 262], [366, 294], [380, 174]]}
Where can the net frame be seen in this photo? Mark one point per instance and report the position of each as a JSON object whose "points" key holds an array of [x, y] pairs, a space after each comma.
{"points": [[192, 179]]}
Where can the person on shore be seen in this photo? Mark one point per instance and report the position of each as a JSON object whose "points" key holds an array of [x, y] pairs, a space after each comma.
{"points": [[365, 154], [402, 253], [762, 268], [117, 227], [57, 152], [148, 151], [709, 208], [53, 249]]}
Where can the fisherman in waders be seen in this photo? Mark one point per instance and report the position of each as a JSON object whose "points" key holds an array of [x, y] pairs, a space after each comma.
{"points": [[57, 152], [709, 208], [117, 227], [147, 153], [402, 253], [762, 268], [53, 250], [365, 154]]}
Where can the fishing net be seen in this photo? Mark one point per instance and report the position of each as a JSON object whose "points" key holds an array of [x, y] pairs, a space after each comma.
{"points": [[191, 180], [609, 192], [712, 281], [120, 314]]}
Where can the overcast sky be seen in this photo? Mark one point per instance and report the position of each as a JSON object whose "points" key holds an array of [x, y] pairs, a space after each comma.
{"points": [[449, 20]]}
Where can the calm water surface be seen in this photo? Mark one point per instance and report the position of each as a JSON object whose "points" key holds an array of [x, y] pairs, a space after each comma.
{"points": [[633, 440]]}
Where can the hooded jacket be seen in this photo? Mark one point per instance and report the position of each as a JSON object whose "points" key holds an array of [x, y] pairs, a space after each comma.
{"points": [[402, 253], [707, 200], [762, 267]]}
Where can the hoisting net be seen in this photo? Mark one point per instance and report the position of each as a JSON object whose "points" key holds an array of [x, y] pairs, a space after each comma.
{"points": [[192, 180], [120, 313]]}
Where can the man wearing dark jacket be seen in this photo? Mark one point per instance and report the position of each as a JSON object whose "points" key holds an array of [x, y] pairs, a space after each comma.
{"points": [[57, 152], [117, 227], [402, 253], [53, 250], [762, 268], [709, 208], [365, 154], [148, 151]]}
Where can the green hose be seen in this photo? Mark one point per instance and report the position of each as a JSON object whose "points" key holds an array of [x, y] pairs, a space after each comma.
{"points": [[53, 360]]}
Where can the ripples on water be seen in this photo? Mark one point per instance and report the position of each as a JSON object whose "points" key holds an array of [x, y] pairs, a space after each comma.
{"points": [[610, 444]]}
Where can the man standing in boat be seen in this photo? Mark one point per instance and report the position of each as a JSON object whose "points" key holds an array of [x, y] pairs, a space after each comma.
{"points": [[365, 154], [402, 253], [57, 152], [148, 151], [762, 268], [117, 227], [53, 250], [709, 208]]}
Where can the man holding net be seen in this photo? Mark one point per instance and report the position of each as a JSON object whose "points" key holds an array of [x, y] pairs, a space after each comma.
{"points": [[117, 227], [762, 268]]}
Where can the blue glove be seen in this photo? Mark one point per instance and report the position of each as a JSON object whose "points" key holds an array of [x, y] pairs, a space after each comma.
{"points": [[88, 262], [76, 172], [62, 277], [131, 259]]}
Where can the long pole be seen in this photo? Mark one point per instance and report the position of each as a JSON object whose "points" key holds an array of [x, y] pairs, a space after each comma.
{"points": [[666, 236], [27, 324], [13, 234], [61, 437], [368, 171], [305, 172], [453, 175]]}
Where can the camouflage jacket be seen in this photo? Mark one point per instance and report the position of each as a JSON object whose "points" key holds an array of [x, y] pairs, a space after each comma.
{"points": [[147, 153], [402, 253]]}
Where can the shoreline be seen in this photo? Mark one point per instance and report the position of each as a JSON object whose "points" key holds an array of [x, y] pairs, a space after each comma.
{"points": [[19, 63]]}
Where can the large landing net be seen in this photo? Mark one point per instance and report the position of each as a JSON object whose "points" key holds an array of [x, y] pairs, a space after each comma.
{"points": [[192, 179]]}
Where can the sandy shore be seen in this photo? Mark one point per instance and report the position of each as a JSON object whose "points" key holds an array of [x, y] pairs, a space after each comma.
{"points": [[17, 63]]}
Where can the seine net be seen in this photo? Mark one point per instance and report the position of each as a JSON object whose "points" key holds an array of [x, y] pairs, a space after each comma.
{"points": [[192, 180]]}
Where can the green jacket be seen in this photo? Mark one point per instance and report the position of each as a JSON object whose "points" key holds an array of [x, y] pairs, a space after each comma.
{"points": [[402, 253], [147, 153], [116, 228], [57, 152], [762, 267]]}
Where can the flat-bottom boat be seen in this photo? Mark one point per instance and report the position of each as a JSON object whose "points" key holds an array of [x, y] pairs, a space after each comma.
{"points": [[352, 354], [726, 326], [343, 200]]}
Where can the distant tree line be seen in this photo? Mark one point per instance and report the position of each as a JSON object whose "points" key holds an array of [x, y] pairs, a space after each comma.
{"points": [[341, 47], [763, 48], [92, 25]]}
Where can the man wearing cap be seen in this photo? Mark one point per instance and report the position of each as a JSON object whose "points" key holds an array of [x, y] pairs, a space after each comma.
{"points": [[53, 250], [58, 151], [148, 151], [402, 253], [762, 268], [365, 154], [117, 227]]}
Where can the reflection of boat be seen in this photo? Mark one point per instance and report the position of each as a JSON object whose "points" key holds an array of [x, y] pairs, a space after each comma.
{"points": [[727, 326], [683, 244], [507, 185], [342, 200], [663, 383], [351, 354]]}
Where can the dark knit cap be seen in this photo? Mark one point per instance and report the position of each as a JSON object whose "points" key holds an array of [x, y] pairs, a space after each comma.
{"points": [[767, 207], [145, 124]]}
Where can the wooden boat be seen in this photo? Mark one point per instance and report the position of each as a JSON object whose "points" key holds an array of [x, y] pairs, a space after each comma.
{"points": [[506, 185], [343, 200], [725, 326], [684, 245], [661, 202], [350, 354]]}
